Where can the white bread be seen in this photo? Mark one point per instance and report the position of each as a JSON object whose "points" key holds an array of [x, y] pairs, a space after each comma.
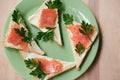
{"points": [[94, 36], [66, 65], [32, 48], [80, 58], [34, 20]]}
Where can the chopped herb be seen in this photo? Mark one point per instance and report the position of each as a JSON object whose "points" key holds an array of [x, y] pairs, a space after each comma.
{"points": [[87, 28], [68, 19], [27, 37], [46, 36], [54, 4], [79, 48], [36, 70]]}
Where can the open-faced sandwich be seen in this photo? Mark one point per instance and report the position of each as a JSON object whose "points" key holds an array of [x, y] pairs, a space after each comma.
{"points": [[19, 37], [81, 37], [46, 17], [43, 67]]}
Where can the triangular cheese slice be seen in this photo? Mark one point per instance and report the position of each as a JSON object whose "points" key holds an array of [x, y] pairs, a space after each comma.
{"points": [[45, 17], [65, 65], [75, 37], [13, 40]]}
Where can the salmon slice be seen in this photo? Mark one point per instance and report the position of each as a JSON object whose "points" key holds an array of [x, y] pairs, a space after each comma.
{"points": [[15, 39], [50, 66], [48, 18], [77, 36]]}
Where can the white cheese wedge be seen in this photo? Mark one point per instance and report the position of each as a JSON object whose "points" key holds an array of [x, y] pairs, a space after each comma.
{"points": [[66, 65], [35, 18]]}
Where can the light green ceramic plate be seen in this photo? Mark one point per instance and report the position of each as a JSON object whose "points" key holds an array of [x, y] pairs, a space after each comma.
{"points": [[80, 12]]}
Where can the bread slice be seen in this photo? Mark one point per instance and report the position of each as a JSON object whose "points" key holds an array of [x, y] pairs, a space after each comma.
{"points": [[79, 58], [32, 48], [34, 20], [66, 65]]}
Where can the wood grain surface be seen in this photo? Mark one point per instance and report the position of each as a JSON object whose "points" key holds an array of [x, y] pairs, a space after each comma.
{"points": [[106, 66]]}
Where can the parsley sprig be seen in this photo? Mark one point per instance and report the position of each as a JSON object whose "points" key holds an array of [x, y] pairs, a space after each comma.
{"points": [[16, 17], [68, 19], [30, 63], [46, 36], [27, 35], [54, 4], [87, 28], [36, 70], [79, 48]]}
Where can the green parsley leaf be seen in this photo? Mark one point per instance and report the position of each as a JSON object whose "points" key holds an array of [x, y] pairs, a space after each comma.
{"points": [[68, 19], [87, 28], [79, 48], [28, 38], [36, 70], [54, 4], [30, 63], [46, 36], [20, 32], [40, 35], [16, 17]]}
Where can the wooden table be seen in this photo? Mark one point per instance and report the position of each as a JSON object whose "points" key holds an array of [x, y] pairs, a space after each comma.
{"points": [[107, 63]]}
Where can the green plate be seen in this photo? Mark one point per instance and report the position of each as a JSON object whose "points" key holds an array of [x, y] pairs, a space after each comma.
{"points": [[80, 12]]}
